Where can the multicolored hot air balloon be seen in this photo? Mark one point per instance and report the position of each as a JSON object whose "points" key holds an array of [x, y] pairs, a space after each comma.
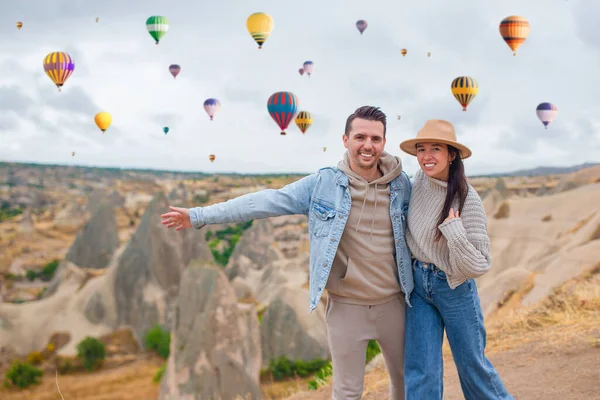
{"points": [[309, 67], [260, 25], [212, 106], [303, 121], [157, 27], [546, 112], [166, 130], [464, 89], [361, 25], [282, 107], [301, 71], [19, 25], [514, 31], [103, 120], [59, 66], [211, 157], [174, 69], [403, 52]]}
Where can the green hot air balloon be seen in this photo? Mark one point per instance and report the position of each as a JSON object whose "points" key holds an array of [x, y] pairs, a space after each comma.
{"points": [[166, 130], [157, 27]]}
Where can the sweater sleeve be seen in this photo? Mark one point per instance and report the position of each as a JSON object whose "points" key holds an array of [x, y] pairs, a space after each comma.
{"points": [[468, 240]]}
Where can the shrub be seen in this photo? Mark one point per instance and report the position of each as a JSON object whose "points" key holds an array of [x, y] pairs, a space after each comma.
{"points": [[283, 367], [159, 340], [30, 275], [91, 352], [35, 358], [22, 375], [372, 350], [48, 271], [159, 374], [320, 377]]}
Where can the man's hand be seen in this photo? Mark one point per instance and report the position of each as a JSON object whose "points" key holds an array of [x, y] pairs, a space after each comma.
{"points": [[451, 215], [179, 217]]}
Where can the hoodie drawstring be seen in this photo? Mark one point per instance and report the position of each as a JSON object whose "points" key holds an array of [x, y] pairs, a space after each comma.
{"points": [[363, 208]]}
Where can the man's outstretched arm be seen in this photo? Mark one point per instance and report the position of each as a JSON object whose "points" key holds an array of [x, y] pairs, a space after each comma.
{"points": [[293, 198]]}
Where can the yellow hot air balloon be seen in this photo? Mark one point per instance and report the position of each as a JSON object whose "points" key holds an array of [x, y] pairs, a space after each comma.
{"points": [[97, 19], [303, 120], [260, 25], [514, 31], [428, 54], [212, 157], [59, 66], [324, 149], [19, 25], [103, 120], [403, 52], [464, 89]]}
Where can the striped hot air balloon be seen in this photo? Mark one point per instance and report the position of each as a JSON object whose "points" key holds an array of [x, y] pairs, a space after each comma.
{"points": [[303, 121], [174, 69], [309, 67], [361, 25], [19, 25], [157, 27], [403, 52], [514, 31], [212, 106], [464, 89], [282, 107], [546, 112], [260, 25], [59, 66], [211, 157]]}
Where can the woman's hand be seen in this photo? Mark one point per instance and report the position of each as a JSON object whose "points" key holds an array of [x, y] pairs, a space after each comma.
{"points": [[452, 215]]}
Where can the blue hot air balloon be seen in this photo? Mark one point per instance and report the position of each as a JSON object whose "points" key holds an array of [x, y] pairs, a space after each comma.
{"points": [[283, 107], [546, 112]]}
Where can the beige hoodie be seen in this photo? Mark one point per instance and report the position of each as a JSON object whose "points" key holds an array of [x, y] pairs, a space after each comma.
{"points": [[364, 268]]}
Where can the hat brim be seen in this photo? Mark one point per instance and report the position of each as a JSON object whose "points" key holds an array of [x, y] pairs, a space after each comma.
{"points": [[410, 146]]}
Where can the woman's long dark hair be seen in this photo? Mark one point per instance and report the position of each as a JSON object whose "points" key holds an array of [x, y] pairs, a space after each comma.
{"points": [[457, 186]]}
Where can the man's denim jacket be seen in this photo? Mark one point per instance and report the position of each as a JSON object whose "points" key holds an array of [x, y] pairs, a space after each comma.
{"points": [[325, 198]]}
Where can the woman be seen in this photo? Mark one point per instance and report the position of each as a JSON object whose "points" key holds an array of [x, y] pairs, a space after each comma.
{"points": [[447, 235]]}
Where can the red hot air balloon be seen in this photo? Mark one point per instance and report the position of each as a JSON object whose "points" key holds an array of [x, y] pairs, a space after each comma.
{"points": [[301, 71], [361, 25], [174, 69], [283, 107]]}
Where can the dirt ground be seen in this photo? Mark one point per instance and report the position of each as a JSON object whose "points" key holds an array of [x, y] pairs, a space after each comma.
{"points": [[533, 371]]}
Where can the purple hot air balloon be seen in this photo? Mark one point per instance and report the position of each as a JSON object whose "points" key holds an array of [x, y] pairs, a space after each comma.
{"points": [[212, 106], [309, 67], [301, 71], [361, 24], [174, 69], [546, 112]]}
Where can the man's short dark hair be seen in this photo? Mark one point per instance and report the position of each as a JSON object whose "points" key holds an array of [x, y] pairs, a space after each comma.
{"points": [[369, 113]]}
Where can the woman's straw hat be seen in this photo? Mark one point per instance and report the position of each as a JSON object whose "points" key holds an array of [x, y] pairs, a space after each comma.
{"points": [[435, 131]]}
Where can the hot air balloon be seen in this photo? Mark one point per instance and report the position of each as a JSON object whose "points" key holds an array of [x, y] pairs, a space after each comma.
{"points": [[309, 67], [157, 27], [59, 66], [72, 154], [464, 89], [428, 54], [97, 19], [166, 130], [546, 112], [403, 52], [361, 25], [212, 106], [103, 120], [324, 149], [301, 71], [282, 107], [211, 157], [304, 121], [260, 25], [514, 31], [174, 69], [399, 117], [19, 25]]}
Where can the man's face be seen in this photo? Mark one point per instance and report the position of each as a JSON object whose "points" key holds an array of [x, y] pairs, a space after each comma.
{"points": [[365, 143]]}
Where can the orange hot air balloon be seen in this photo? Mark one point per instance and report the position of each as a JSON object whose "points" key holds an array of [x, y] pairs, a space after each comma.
{"points": [[211, 157], [19, 25], [514, 31], [403, 52]]}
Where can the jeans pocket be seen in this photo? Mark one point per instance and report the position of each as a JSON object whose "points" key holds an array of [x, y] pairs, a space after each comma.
{"points": [[441, 275]]}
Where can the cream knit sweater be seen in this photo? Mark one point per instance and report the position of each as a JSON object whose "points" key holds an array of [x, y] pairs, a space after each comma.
{"points": [[464, 250]]}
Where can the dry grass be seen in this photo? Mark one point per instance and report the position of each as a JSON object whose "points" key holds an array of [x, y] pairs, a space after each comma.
{"points": [[578, 225], [547, 218], [503, 211]]}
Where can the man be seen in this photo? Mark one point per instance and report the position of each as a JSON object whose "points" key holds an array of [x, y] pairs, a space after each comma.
{"points": [[356, 221]]}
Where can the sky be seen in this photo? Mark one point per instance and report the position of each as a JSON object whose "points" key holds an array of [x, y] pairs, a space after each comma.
{"points": [[120, 69]]}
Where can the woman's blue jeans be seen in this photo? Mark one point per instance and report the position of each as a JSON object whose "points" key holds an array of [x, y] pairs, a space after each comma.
{"points": [[434, 307]]}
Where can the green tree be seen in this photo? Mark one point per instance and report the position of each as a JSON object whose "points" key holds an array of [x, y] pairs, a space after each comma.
{"points": [[92, 352]]}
